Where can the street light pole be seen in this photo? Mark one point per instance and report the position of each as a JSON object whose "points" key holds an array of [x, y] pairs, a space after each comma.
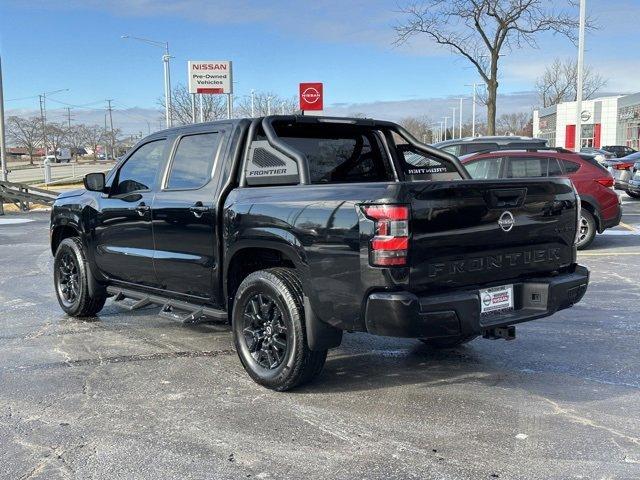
{"points": [[579, 89], [453, 123], [460, 122], [167, 73], [473, 108], [445, 127], [3, 146]]}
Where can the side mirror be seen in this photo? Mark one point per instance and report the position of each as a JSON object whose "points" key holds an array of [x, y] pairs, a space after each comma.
{"points": [[94, 182]]}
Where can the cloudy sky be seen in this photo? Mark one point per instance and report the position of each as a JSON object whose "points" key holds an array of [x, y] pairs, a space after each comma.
{"points": [[75, 44]]}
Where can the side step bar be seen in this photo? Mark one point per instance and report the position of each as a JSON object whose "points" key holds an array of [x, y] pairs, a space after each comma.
{"points": [[181, 311]]}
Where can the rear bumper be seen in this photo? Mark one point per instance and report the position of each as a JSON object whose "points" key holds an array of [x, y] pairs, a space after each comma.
{"points": [[634, 186], [613, 221], [404, 314]]}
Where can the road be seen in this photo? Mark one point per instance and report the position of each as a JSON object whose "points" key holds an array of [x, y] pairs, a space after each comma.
{"points": [[133, 395]]}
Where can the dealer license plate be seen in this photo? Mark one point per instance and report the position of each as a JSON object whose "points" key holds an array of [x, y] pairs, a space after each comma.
{"points": [[496, 299]]}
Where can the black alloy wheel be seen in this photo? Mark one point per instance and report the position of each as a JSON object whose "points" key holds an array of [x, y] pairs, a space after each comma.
{"points": [[67, 273], [265, 332], [269, 331]]}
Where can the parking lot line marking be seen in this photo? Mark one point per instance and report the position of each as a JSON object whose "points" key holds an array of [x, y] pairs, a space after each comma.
{"points": [[14, 221], [602, 254], [628, 227]]}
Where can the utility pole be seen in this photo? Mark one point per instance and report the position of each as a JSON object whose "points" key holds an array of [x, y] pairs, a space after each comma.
{"points": [[43, 115], [113, 146], [473, 108], [68, 116], [580, 73], [43, 120], [3, 145]]}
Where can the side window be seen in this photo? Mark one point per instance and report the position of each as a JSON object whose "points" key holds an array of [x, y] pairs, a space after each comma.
{"points": [[521, 167], [485, 169], [452, 149], [480, 147], [554, 168], [342, 155], [139, 171], [419, 166], [570, 167], [192, 163]]}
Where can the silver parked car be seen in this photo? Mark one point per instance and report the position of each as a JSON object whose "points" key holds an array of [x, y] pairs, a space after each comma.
{"points": [[628, 171]]}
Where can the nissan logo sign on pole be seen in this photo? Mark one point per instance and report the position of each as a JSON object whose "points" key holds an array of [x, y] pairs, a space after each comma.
{"points": [[311, 97]]}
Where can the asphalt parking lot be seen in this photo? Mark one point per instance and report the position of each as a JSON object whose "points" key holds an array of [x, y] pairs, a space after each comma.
{"points": [[133, 395]]}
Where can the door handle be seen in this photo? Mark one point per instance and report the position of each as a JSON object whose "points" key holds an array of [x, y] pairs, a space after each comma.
{"points": [[198, 209], [142, 208]]}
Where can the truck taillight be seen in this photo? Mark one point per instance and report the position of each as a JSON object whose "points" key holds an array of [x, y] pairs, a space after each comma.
{"points": [[390, 244]]}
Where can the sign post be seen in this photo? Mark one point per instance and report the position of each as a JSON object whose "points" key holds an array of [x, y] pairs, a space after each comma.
{"points": [[311, 97], [211, 78]]}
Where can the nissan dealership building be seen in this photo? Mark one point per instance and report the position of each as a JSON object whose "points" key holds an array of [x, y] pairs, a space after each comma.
{"points": [[605, 121]]}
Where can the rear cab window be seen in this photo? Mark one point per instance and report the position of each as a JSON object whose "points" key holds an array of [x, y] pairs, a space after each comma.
{"points": [[339, 153]]}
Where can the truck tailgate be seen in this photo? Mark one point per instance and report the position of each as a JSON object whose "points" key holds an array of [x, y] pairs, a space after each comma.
{"points": [[474, 232]]}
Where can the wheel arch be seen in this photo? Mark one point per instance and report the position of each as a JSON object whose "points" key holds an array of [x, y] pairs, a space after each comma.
{"points": [[60, 232], [247, 257], [591, 205]]}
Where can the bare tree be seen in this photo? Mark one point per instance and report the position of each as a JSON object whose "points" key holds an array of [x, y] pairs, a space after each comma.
{"points": [[25, 133], [514, 124], [479, 31], [559, 82], [214, 106], [56, 134], [266, 103], [76, 139], [94, 135], [419, 127]]}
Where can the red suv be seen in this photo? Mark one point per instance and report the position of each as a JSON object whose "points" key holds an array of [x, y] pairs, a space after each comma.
{"points": [[600, 203]]}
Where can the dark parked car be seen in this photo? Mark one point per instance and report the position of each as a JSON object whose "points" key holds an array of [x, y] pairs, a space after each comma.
{"points": [[619, 151], [600, 155], [294, 229], [600, 203], [465, 146]]}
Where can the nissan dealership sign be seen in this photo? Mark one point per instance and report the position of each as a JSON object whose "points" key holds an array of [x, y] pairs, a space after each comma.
{"points": [[311, 96], [213, 77]]}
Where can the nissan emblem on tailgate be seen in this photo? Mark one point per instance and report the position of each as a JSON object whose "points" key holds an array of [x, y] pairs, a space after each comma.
{"points": [[506, 221]]}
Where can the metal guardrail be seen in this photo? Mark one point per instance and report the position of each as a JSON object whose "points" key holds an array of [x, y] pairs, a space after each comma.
{"points": [[23, 195]]}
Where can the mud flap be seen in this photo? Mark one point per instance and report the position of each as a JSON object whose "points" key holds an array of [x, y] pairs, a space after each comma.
{"points": [[320, 335]]}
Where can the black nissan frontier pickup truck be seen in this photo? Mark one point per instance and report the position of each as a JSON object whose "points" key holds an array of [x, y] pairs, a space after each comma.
{"points": [[295, 229]]}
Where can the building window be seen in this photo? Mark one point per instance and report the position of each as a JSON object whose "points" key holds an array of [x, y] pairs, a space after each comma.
{"points": [[587, 135], [633, 135]]}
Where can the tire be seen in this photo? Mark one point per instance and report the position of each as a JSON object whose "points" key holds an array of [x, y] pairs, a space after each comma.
{"points": [[633, 194], [447, 342], [269, 331], [588, 224], [71, 280]]}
